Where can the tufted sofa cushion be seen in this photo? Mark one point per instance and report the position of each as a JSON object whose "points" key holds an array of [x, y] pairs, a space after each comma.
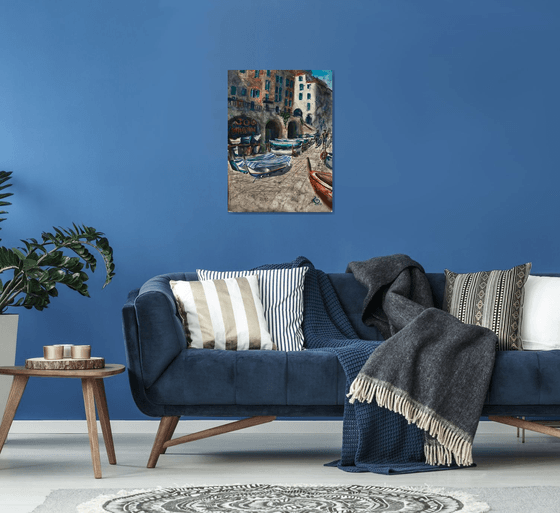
{"points": [[206, 376]]}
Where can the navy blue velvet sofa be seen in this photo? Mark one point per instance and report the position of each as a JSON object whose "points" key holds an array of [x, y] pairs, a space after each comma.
{"points": [[169, 381]]}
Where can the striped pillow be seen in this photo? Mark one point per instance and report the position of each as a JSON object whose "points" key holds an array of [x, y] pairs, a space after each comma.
{"points": [[222, 314], [492, 299], [282, 298]]}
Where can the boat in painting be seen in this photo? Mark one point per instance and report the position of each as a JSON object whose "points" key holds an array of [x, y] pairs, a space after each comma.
{"points": [[285, 144], [328, 161], [321, 181], [262, 165], [296, 141], [308, 139], [235, 167]]}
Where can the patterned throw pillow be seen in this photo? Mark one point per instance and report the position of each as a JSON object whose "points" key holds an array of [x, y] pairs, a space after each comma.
{"points": [[282, 298], [492, 299], [222, 314]]}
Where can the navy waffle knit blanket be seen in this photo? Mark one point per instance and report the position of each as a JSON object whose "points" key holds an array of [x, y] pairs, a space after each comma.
{"points": [[375, 439]]}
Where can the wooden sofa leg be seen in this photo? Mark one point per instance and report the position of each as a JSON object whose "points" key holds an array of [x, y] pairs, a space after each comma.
{"points": [[170, 432], [163, 432], [167, 426]]}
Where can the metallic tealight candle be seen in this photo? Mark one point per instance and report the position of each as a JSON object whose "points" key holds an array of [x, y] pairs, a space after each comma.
{"points": [[67, 350], [81, 352], [53, 352]]}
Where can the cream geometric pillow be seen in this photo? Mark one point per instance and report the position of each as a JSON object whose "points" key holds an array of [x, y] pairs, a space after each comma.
{"points": [[493, 299], [222, 314]]}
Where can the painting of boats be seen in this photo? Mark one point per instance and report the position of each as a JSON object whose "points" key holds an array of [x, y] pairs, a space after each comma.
{"points": [[278, 121]]}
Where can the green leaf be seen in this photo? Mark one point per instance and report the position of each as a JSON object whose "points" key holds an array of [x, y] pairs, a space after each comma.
{"points": [[4, 179], [40, 266], [19, 253], [9, 259]]}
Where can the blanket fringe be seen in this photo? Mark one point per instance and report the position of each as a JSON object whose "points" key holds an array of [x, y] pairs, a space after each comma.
{"points": [[451, 444]]}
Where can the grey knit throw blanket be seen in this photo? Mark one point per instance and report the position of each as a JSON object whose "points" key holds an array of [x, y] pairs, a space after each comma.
{"points": [[432, 369]]}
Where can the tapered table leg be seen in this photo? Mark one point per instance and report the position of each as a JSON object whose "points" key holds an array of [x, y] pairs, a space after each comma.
{"points": [[88, 388], [103, 412], [18, 387]]}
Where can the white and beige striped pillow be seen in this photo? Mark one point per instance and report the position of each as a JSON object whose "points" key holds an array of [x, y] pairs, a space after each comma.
{"points": [[281, 292], [222, 314]]}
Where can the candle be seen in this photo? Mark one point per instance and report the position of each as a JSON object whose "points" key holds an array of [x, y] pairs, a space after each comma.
{"points": [[81, 352], [67, 353], [53, 352]]}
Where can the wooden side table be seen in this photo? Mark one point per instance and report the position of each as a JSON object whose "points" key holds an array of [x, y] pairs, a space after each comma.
{"points": [[94, 395]]}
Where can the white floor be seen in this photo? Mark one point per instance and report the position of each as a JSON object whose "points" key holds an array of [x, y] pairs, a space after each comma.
{"points": [[33, 464]]}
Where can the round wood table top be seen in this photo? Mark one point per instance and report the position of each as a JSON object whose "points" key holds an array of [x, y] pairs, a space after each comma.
{"points": [[110, 369]]}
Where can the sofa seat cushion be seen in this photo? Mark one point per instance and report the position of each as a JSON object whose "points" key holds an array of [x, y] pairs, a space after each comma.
{"points": [[525, 377], [206, 376], [306, 378]]}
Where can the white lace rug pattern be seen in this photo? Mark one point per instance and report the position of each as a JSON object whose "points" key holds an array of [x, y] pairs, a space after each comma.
{"points": [[264, 498]]}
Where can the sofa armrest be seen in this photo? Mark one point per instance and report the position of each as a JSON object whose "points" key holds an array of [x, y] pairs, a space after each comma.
{"points": [[160, 333], [132, 349], [130, 330]]}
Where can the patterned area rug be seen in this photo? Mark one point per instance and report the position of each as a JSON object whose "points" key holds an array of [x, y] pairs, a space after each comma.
{"points": [[284, 499]]}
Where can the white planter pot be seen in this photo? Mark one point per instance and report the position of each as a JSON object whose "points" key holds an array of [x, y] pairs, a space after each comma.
{"points": [[8, 340]]}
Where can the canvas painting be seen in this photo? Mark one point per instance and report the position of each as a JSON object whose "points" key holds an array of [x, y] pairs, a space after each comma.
{"points": [[280, 140]]}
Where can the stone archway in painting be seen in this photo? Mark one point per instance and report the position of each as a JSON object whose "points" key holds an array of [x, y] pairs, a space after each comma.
{"points": [[292, 129], [273, 130]]}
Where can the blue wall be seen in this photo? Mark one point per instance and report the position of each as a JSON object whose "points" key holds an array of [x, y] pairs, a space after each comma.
{"points": [[113, 114]]}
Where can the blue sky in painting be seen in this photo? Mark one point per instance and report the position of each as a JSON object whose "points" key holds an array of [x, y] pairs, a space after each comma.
{"points": [[323, 74]]}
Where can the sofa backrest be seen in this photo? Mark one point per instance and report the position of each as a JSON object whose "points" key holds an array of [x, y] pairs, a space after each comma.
{"points": [[352, 294]]}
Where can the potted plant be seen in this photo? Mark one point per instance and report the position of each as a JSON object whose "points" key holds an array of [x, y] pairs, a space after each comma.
{"points": [[60, 257]]}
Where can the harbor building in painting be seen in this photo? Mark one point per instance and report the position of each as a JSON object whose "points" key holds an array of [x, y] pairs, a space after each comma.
{"points": [[277, 103], [313, 101]]}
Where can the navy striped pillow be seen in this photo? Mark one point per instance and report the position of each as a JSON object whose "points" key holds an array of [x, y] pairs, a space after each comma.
{"points": [[282, 299]]}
